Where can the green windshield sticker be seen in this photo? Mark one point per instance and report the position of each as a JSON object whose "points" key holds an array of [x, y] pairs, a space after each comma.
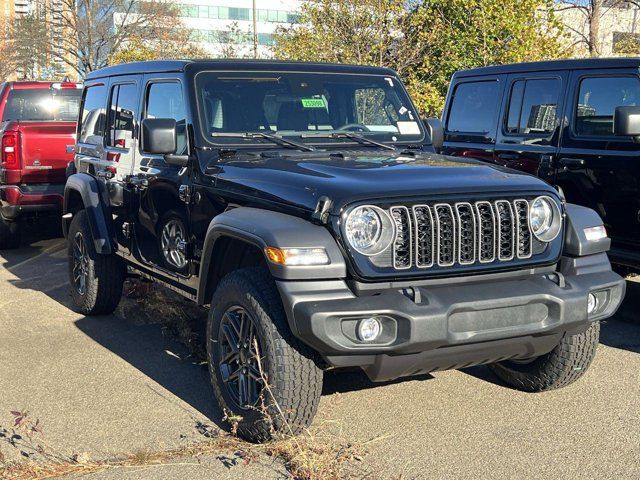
{"points": [[313, 102]]}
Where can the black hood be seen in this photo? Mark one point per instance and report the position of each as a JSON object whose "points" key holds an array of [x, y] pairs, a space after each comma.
{"points": [[300, 182]]}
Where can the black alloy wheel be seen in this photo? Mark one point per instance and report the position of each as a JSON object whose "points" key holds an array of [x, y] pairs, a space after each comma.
{"points": [[240, 366]]}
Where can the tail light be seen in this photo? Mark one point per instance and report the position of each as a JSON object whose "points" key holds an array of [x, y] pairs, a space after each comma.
{"points": [[11, 150]]}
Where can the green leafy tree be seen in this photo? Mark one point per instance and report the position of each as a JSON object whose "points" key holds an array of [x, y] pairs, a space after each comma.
{"points": [[369, 32], [460, 34], [138, 49], [424, 41]]}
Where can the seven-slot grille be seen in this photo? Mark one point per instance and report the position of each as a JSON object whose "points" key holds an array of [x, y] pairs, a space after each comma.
{"points": [[448, 234]]}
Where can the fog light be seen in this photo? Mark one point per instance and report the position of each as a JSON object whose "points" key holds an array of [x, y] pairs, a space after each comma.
{"points": [[369, 329], [592, 303]]}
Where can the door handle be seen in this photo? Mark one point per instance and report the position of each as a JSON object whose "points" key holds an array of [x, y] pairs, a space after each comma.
{"points": [[509, 156], [571, 163]]}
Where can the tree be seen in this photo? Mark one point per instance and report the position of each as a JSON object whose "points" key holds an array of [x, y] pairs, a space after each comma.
{"points": [[426, 41], [28, 57], [138, 49], [591, 13], [342, 31], [83, 34], [234, 41], [461, 34]]}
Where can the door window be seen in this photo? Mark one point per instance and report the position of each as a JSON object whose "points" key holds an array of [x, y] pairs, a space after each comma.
{"points": [[533, 106], [597, 100], [122, 114], [165, 100], [93, 115], [474, 107]]}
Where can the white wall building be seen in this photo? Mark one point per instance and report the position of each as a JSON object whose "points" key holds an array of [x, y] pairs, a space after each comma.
{"points": [[213, 21], [616, 24]]}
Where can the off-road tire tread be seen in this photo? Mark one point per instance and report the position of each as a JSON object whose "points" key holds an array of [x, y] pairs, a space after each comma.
{"points": [[297, 382], [9, 234], [106, 273], [565, 364]]}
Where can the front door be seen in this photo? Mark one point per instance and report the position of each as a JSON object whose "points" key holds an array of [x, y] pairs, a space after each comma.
{"points": [[597, 169], [529, 129], [472, 117], [162, 223]]}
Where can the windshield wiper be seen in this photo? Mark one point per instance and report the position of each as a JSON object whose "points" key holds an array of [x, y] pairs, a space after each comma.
{"points": [[269, 136], [350, 135]]}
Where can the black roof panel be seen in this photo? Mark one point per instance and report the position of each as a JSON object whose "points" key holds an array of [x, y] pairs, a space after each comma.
{"points": [[573, 64], [160, 66]]}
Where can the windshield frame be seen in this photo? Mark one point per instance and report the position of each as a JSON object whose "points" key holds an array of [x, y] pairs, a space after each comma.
{"points": [[326, 142]]}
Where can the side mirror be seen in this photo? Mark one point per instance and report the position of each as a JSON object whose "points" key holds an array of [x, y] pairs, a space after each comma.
{"points": [[626, 122], [436, 132], [159, 135]]}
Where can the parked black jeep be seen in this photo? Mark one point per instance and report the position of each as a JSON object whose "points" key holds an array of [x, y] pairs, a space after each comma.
{"points": [[303, 203], [574, 123]]}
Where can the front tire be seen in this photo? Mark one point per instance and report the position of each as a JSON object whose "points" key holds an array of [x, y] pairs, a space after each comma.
{"points": [[246, 310], [562, 366], [96, 280], [9, 234]]}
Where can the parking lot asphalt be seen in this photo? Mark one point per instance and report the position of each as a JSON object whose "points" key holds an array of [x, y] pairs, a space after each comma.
{"points": [[108, 385]]}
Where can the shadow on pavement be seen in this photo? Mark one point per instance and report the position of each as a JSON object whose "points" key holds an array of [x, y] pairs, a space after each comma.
{"points": [[341, 381], [164, 360], [37, 236], [41, 265]]}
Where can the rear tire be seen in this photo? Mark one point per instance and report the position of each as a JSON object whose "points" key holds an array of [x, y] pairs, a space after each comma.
{"points": [[562, 366], [9, 234], [295, 382], [96, 280]]}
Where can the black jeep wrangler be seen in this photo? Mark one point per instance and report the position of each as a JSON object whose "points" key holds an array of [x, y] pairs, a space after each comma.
{"points": [[303, 203]]}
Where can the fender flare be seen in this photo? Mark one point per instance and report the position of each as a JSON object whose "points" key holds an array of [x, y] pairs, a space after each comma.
{"points": [[96, 203], [575, 242], [263, 228]]}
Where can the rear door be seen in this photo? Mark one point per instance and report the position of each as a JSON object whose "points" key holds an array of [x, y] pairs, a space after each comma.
{"points": [[471, 116], [529, 130], [596, 168]]}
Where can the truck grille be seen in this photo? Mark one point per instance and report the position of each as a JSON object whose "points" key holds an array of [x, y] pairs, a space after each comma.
{"points": [[450, 234]]}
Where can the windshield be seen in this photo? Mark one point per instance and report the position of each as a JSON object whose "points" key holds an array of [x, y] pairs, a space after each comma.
{"points": [[43, 105], [308, 106]]}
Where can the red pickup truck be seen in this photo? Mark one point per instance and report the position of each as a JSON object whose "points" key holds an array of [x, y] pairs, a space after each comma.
{"points": [[37, 131]]}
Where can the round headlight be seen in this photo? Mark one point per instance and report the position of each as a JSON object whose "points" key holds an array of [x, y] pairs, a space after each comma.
{"points": [[545, 219], [369, 230]]}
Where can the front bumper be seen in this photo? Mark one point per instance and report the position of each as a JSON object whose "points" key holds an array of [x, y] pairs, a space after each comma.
{"points": [[450, 325], [18, 200]]}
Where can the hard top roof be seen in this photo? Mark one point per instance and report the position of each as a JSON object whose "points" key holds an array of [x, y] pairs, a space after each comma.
{"points": [[550, 65], [162, 66]]}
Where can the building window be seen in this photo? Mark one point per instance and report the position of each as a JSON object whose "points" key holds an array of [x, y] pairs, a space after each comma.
{"points": [[239, 14], [265, 39], [190, 11]]}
